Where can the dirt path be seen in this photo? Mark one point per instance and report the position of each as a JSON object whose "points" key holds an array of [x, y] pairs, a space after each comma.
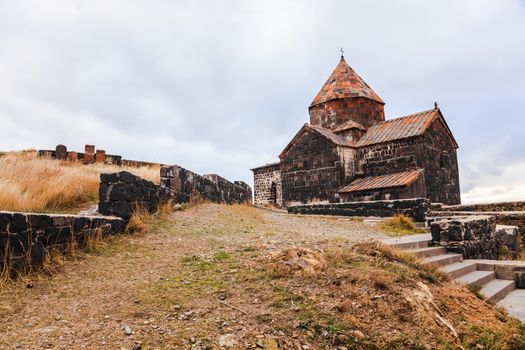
{"points": [[181, 285]]}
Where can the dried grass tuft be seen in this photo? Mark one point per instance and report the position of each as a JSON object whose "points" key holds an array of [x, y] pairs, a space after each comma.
{"points": [[400, 225], [34, 184]]}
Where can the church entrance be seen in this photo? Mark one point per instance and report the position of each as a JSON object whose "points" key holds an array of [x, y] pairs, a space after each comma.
{"points": [[273, 193]]}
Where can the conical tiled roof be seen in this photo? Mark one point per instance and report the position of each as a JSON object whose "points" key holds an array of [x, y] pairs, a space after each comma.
{"points": [[344, 82]]}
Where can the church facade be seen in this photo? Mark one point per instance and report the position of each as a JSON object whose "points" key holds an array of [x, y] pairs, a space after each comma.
{"points": [[349, 152]]}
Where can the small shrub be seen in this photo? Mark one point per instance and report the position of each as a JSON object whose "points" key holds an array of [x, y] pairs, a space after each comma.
{"points": [[476, 290], [400, 225]]}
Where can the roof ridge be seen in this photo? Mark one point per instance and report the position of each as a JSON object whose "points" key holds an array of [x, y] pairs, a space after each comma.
{"points": [[406, 116]]}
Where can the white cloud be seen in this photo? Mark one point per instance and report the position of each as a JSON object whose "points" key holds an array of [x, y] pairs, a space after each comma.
{"points": [[223, 86]]}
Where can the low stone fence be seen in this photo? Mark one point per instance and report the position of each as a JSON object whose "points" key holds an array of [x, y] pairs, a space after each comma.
{"points": [[475, 237], [26, 238], [485, 207], [186, 184], [120, 193], [414, 208]]}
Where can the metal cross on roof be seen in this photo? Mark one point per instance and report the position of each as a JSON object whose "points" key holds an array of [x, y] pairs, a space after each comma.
{"points": [[342, 53]]}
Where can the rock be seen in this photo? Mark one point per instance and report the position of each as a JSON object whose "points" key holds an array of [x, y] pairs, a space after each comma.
{"points": [[226, 341], [271, 344], [127, 330], [137, 347], [358, 334]]}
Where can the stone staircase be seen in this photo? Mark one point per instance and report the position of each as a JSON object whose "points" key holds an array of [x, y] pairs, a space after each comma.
{"points": [[467, 272]]}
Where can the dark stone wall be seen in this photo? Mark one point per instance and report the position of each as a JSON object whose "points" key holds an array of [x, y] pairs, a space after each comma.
{"points": [[311, 170], [476, 237], [441, 164], [120, 193], [185, 185], [414, 208], [391, 157], [26, 239], [336, 112], [512, 218]]}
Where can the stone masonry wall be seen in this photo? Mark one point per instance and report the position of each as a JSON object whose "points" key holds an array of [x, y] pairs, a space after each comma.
{"points": [[26, 239], [414, 208], [441, 165], [476, 237], [311, 170], [185, 185], [336, 112], [267, 185], [120, 193], [391, 157]]}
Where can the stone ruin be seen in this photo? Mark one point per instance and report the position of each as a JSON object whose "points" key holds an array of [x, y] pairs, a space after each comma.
{"points": [[90, 156], [26, 238]]}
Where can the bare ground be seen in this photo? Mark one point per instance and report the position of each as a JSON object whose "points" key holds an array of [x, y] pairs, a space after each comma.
{"points": [[207, 277]]}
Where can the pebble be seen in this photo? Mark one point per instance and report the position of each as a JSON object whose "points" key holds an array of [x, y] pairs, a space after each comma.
{"points": [[127, 330]]}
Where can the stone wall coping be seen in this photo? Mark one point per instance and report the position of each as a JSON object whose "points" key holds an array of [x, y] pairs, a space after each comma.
{"points": [[462, 219], [513, 263], [471, 213], [393, 201], [3, 212]]}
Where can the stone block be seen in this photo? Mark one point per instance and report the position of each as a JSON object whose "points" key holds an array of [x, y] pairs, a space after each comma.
{"points": [[18, 222], [72, 156], [100, 156], [61, 152]]}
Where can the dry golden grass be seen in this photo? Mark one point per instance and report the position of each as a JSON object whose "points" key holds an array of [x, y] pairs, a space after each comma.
{"points": [[400, 225], [32, 183]]}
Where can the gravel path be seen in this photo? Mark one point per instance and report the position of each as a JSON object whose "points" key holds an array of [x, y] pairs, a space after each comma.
{"points": [[88, 303]]}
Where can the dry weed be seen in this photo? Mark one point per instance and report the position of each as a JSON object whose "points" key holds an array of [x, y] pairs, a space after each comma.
{"points": [[400, 225], [35, 184]]}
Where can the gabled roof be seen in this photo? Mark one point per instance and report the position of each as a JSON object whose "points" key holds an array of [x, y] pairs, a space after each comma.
{"points": [[344, 82], [326, 133], [405, 178], [405, 127], [268, 165], [349, 125]]}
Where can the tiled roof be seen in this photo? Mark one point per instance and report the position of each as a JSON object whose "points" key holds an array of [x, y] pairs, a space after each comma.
{"points": [[349, 125], [383, 181], [344, 82], [326, 133], [400, 128]]}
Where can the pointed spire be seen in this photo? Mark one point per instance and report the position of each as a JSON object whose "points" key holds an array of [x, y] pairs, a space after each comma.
{"points": [[344, 82], [342, 54]]}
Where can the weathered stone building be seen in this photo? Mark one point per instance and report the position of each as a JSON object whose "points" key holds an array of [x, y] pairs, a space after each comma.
{"points": [[349, 152]]}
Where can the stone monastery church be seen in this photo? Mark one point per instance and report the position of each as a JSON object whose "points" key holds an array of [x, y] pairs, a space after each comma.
{"points": [[349, 152]]}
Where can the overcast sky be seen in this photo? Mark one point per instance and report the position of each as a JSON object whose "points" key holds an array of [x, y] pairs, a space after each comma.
{"points": [[222, 86]]}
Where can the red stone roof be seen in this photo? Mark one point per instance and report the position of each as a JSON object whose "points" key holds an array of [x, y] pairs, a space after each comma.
{"points": [[344, 82], [405, 178], [349, 125], [400, 128], [326, 133]]}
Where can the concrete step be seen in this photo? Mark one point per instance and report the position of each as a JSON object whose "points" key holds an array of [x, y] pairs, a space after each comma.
{"points": [[444, 259], [409, 242], [514, 302], [428, 251], [460, 268], [477, 278], [496, 290]]}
